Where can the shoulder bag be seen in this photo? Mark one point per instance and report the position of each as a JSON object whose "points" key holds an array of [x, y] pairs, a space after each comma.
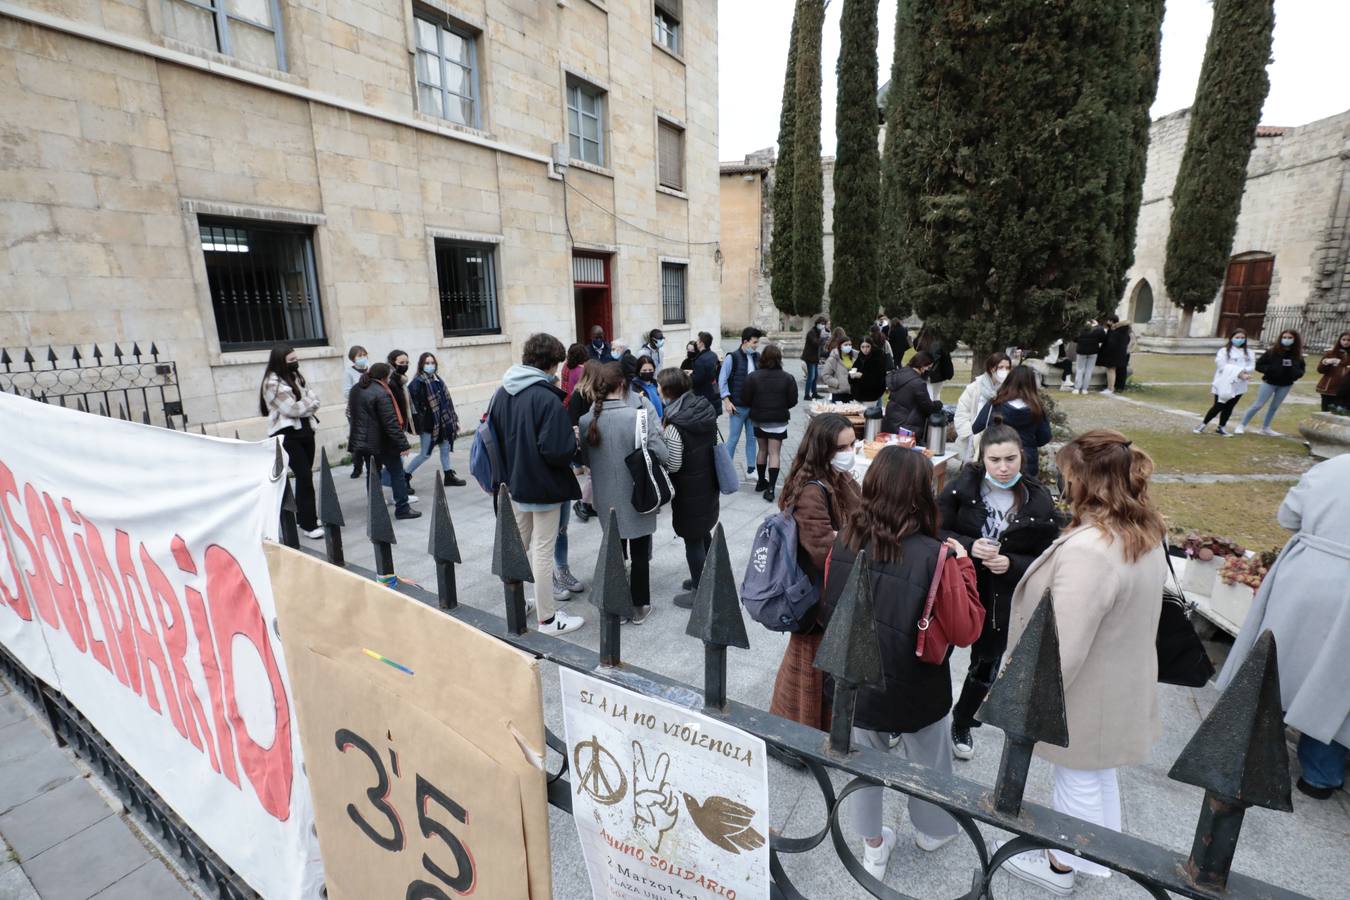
{"points": [[1182, 659], [953, 622], [728, 479], [651, 485]]}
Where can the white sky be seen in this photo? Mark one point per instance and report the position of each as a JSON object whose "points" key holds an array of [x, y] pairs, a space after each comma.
{"points": [[1308, 80]]}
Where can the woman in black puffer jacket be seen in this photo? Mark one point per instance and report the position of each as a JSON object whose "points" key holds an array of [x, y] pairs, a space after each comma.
{"points": [[378, 430], [691, 439], [910, 404], [770, 393], [1004, 520]]}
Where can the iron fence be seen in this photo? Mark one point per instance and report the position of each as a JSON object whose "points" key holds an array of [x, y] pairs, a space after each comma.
{"points": [[1318, 332], [133, 387], [1238, 755]]}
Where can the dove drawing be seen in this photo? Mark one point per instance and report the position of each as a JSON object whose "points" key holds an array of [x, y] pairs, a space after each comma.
{"points": [[725, 822]]}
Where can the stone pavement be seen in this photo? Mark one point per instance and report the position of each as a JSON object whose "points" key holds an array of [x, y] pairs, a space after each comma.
{"points": [[60, 837]]}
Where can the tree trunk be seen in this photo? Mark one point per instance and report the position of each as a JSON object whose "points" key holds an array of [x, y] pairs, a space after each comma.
{"points": [[1184, 326]]}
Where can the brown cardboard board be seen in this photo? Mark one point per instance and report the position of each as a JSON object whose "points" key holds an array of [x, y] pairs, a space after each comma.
{"points": [[461, 803]]}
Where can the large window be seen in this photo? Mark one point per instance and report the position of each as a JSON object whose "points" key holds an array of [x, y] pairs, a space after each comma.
{"points": [[672, 293], [586, 122], [247, 29], [264, 288], [447, 72], [670, 155], [468, 288], [666, 24]]}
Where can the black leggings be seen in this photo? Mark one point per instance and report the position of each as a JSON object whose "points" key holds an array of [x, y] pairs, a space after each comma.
{"points": [[639, 552], [979, 678], [1222, 409], [299, 446], [696, 553], [1328, 401]]}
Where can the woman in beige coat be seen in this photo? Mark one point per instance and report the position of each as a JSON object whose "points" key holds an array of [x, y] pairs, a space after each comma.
{"points": [[1106, 575]]}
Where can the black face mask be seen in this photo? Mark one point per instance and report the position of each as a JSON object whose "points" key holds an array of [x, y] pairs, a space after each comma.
{"points": [[647, 376], [402, 370], [293, 366]]}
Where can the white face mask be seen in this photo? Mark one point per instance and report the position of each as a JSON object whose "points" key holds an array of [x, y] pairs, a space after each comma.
{"points": [[842, 461], [846, 349], [1000, 376]]}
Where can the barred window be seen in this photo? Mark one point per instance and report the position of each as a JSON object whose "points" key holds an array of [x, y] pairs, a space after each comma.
{"points": [[586, 122], [672, 293], [670, 155], [666, 24], [447, 71], [249, 30], [263, 283], [468, 288]]}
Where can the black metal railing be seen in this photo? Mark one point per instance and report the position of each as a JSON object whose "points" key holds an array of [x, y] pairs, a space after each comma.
{"points": [[1318, 332], [1238, 755], [134, 385]]}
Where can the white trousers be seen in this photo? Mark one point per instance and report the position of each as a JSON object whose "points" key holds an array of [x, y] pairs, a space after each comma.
{"points": [[935, 389], [1092, 795]]}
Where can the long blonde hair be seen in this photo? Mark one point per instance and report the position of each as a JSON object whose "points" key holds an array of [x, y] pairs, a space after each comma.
{"points": [[1107, 486]]}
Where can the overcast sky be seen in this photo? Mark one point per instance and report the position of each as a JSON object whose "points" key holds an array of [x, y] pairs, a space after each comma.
{"points": [[1308, 80]]}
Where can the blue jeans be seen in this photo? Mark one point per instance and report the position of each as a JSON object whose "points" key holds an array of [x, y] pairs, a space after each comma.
{"points": [[560, 546], [1323, 764], [740, 420], [1266, 392], [425, 454], [812, 371]]}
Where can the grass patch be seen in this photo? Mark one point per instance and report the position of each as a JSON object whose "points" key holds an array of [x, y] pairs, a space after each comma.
{"points": [[1212, 509], [1185, 453], [1171, 367], [1197, 399]]}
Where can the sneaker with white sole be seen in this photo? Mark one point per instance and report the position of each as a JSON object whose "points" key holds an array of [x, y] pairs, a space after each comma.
{"points": [[963, 745], [561, 623], [1270, 432], [640, 615], [565, 578], [929, 844], [1221, 432], [1200, 429], [874, 859], [560, 591], [1034, 867], [1107, 391], [1241, 429], [314, 534]]}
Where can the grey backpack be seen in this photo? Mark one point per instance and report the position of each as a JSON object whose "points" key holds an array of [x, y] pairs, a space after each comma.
{"points": [[775, 591]]}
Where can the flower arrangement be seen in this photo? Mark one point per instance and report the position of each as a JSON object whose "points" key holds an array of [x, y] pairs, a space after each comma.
{"points": [[1247, 570], [1205, 547]]}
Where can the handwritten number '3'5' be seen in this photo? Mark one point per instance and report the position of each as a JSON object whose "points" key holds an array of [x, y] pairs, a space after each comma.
{"points": [[462, 881]]}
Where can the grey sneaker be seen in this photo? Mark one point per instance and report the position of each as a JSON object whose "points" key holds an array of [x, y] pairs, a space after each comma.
{"points": [[560, 591], [640, 614], [565, 578]]}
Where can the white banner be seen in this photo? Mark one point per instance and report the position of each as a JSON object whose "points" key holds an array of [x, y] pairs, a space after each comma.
{"points": [[668, 802], [132, 580]]}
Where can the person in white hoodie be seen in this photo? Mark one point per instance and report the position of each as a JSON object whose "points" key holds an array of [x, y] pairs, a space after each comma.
{"points": [[973, 398], [1233, 366]]}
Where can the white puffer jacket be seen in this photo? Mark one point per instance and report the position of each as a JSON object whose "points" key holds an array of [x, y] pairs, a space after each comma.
{"points": [[973, 398]]}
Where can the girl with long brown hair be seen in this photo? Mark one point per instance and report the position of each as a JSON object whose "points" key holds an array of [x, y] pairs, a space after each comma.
{"points": [[1233, 367], [1018, 403], [579, 402], [897, 527], [289, 404], [1280, 366], [1334, 367], [837, 365], [1105, 575]]}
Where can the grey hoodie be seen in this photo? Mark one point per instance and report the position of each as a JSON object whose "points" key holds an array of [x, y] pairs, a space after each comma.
{"points": [[519, 377]]}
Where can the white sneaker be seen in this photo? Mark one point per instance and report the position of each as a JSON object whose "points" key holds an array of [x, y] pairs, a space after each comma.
{"points": [[932, 844], [875, 858], [1034, 867], [1241, 429], [315, 534], [1270, 432], [562, 623], [1107, 391], [1200, 429]]}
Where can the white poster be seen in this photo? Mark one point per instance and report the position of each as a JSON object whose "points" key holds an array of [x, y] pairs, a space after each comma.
{"points": [[132, 580], [668, 802]]}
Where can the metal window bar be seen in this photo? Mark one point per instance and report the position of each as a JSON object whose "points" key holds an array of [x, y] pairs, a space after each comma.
{"points": [[467, 282], [670, 156], [263, 283], [672, 293]]}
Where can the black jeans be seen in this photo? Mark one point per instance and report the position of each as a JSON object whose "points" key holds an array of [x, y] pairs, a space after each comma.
{"points": [[1222, 409], [299, 446], [696, 553], [1122, 374], [1328, 401], [978, 681], [394, 463], [639, 553]]}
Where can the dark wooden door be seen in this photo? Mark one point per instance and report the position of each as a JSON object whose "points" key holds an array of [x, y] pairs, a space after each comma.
{"points": [[591, 292], [1246, 291]]}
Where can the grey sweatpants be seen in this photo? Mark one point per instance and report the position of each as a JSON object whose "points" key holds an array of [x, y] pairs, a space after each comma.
{"points": [[932, 747]]}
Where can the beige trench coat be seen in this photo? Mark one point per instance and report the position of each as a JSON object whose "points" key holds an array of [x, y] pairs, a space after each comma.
{"points": [[1107, 611]]}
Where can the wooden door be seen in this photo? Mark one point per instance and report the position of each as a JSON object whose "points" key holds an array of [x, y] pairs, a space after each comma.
{"points": [[591, 293], [1246, 292]]}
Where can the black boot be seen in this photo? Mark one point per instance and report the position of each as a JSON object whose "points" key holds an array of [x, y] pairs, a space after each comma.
{"points": [[762, 484], [452, 480], [408, 478]]}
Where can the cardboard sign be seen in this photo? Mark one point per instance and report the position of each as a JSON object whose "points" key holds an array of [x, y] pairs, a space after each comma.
{"points": [[667, 801], [424, 741]]}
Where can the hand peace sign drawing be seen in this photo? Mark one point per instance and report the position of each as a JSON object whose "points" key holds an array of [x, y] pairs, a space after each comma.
{"points": [[655, 806]]}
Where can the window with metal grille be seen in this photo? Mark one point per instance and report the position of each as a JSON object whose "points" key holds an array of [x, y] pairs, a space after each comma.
{"points": [[447, 71], [586, 122], [666, 24], [263, 283], [672, 293], [670, 155], [249, 30], [468, 288]]}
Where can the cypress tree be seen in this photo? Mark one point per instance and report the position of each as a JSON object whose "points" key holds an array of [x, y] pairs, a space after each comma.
{"points": [[891, 285], [1141, 86], [1208, 191], [780, 244], [808, 187], [857, 172]]}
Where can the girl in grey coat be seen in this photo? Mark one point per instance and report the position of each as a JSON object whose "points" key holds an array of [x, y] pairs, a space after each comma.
{"points": [[608, 435]]}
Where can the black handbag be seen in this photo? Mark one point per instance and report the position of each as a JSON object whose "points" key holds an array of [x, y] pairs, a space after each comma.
{"points": [[1182, 659], [651, 485]]}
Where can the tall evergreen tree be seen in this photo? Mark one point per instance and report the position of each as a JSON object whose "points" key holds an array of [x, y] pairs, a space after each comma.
{"points": [[1208, 191], [857, 172], [1141, 88], [780, 245], [891, 287], [1007, 166], [808, 187]]}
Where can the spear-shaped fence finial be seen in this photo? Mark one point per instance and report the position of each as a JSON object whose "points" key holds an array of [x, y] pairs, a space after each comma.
{"points": [[716, 619], [330, 511], [443, 546], [611, 592], [850, 651], [511, 564]]}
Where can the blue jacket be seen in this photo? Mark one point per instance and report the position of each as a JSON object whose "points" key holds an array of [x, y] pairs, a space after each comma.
{"points": [[1035, 433], [536, 437], [648, 389]]}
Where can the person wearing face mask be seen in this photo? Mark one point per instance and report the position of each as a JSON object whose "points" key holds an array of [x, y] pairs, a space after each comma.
{"points": [[378, 430], [690, 354], [1115, 354], [837, 365], [656, 339], [736, 368], [691, 438], [1088, 345], [770, 393], [973, 398], [812, 342], [434, 418], [1233, 365], [910, 404], [360, 361], [644, 384], [1018, 403], [869, 370], [1280, 366], [1005, 520], [1334, 367], [289, 404], [398, 386], [823, 495], [703, 373], [619, 353], [598, 348]]}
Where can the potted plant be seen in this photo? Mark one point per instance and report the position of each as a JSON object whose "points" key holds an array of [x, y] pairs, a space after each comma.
{"points": [[1239, 578], [1204, 554]]}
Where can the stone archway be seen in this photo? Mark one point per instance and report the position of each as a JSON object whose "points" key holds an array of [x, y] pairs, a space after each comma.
{"points": [[1141, 303]]}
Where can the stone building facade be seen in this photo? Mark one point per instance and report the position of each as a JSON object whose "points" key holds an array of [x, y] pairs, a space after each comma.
{"points": [[1290, 262], [215, 176]]}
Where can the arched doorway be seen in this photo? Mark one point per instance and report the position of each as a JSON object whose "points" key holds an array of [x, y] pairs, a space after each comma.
{"points": [[1141, 303], [1246, 291]]}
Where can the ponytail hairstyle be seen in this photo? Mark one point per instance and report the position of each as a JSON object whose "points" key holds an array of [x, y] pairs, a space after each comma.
{"points": [[897, 501], [375, 372], [1021, 385], [1106, 482], [608, 380]]}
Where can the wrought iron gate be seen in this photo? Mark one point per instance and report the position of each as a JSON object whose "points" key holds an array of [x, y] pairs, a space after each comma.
{"points": [[132, 387]]}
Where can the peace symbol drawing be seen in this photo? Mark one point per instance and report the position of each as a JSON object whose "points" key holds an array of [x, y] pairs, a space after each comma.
{"points": [[598, 772]]}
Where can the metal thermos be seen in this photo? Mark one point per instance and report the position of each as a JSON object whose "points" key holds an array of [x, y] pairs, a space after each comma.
{"points": [[871, 423], [937, 433]]}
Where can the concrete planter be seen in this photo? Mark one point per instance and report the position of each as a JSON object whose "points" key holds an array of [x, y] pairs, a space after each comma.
{"points": [[1232, 602], [1200, 576], [1327, 434]]}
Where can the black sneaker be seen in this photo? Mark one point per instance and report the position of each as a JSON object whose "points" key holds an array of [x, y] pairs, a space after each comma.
{"points": [[579, 510], [408, 478], [1317, 793], [356, 473], [963, 745], [684, 600], [761, 485], [769, 495], [687, 584], [407, 514]]}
